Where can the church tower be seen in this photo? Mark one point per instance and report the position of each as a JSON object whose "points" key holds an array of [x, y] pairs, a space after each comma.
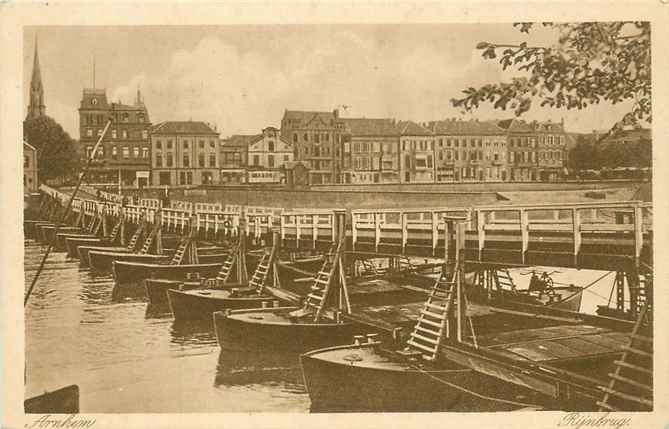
{"points": [[36, 108]]}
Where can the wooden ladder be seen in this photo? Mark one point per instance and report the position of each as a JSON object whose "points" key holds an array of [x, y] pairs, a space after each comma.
{"points": [[132, 245], [316, 299], [114, 232], [146, 246], [98, 225], [180, 251], [503, 279], [432, 323], [261, 272], [630, 386], [226, 268]]}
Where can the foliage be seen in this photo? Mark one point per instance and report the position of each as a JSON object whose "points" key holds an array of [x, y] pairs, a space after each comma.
{"points": [[590, 63], [57, 156], [590, 154]]}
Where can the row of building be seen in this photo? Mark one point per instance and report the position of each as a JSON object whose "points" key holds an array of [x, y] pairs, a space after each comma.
{"points": [[331, 148]]}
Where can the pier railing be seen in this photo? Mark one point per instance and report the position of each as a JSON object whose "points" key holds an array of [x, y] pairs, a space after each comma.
{"points": [[585, 235]]}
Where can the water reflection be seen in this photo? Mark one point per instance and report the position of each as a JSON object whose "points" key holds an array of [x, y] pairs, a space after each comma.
{"points": [[281, 369]]}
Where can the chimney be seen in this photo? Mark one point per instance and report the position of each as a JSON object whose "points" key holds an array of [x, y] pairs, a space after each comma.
{"points": [[335, 113]]}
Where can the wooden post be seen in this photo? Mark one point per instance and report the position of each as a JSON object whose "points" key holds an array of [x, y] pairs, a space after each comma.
{"points": [[524, 233], [435, 232], [480, 231], [459, 255], [157, 219], [121, 231], [242, 274], [403, 223], [638, 234], [576, 230], [377, 231], [314, 229]]}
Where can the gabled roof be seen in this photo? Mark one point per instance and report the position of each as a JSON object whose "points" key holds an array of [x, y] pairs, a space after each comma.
{"points": [[292, 164], [371, 127], [241, 141], [470, 127], [302, 119], [521, 126], [31, 147], [183, 127], [410, 128]]}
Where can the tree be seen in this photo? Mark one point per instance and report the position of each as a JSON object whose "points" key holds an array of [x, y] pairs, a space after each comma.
{"points": [[590, 63], [57, 152]]}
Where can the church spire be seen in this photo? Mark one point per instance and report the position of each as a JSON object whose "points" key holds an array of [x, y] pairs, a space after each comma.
{"points": [[36, 108]]}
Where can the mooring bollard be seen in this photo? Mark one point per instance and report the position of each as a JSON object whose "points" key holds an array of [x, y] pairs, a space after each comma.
{"points": [[357, 339], [371, 338]]}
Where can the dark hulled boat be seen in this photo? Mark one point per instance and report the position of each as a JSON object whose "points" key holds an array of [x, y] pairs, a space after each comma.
{"points": [[61, 401], [202, 303], [72, 244], [84, 251], [129, 271], [48, 232], [275, 327], [156, 289], [62, 237], [102, 261], [30, 227]]}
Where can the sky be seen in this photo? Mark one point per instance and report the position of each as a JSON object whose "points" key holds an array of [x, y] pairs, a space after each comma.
{"points": [[241, 78]]}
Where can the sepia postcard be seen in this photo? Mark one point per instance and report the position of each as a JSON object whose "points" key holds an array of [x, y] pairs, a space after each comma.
{"points": [[332, 214]]}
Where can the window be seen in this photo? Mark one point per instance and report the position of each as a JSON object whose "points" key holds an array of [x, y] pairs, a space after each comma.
{"points": [[207, 178], [114, 152], [185, 144], [89, 132], [89, 150], [169, 144], [145, 134], [182, 178], [294, 137], [212, 160], [145, 152], [100, 152], [286, 158], [306, 137], [200, 159], [270, 146], [126, 152], [114, 134], [317, 138], [270, 161], [135, 151], [140, 118], [256, 159], [159, 159], [189, 177], [170, 160], [125, 117], [201, 144], [164, 178], [125, 134], [212, 144], [99, 133], [26, 161], [186, 160]]}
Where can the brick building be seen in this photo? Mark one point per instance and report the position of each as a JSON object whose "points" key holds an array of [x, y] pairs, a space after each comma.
{"points": [[317, 140], [184, 153], [536, 150], [416, 150], [124, 156], [469, 151], [371, 151], [30, 171]]}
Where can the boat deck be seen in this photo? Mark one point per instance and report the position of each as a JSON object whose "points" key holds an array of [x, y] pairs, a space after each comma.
{"points": [[556, 343]]}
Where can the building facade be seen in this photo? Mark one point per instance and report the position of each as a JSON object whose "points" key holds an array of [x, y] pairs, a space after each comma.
{"points": [[469, 151], [184, 153], [234, 158], [416, 153], [371, 151], [316, 138], [30, 168], [124, 156], [536, 150]]}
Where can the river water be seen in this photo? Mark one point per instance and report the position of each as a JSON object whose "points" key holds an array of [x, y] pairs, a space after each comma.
{"points": [[127, 358]]}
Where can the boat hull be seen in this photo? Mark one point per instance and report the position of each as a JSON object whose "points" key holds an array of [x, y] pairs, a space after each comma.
{"points": [[376, 386], [61, 401], [200, 304], [156, 289], [102, 261], [30, 228], [61, 239], [134, 271], [72, 244], [84, 251], [263, 329]]}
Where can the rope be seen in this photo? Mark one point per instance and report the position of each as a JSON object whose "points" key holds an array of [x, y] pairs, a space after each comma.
{"points": [[478, 395], [582, 289], [65, 213]]}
